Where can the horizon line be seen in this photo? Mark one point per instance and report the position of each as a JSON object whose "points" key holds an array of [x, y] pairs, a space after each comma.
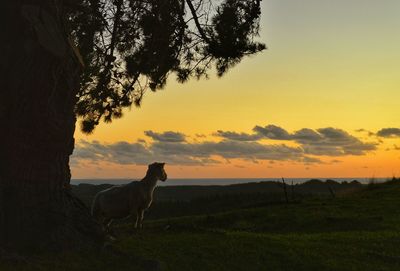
{"points": [[240, 178]]}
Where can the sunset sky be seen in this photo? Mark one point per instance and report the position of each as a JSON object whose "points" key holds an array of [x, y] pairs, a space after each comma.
{"points": [[322, 101]]}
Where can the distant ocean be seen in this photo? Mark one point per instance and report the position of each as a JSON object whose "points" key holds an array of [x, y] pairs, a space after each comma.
{"points": [[223, 181]]}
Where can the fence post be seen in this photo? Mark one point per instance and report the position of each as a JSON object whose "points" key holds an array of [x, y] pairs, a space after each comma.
{"points": [[284, 190]]}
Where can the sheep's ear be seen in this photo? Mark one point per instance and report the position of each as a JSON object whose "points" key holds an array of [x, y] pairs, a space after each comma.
{"points": [[162, 164]]}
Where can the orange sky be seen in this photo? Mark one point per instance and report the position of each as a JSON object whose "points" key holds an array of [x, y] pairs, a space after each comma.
{"points": [[328, 64]]}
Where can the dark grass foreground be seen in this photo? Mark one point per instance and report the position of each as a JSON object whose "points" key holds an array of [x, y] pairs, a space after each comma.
{"points": [[357, 231]]}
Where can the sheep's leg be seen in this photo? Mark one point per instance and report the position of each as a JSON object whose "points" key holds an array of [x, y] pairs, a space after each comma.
{"points": [[136, 221], [140, 218], [107, 224], [102, 222]]}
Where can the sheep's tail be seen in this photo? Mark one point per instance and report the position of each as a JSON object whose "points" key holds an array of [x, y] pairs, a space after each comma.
{"points": [[96, 208]]}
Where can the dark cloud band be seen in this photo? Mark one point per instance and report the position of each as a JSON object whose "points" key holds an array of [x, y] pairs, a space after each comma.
{"points": [[173, 148], [168, 136], [389, 132]]}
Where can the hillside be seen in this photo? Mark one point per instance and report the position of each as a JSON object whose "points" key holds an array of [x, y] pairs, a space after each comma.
{"points": [[86, 192], [175, 201], [354, 231]]}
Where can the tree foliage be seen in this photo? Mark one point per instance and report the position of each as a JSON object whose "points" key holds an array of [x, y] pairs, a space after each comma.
{"points": [[129, 46]]}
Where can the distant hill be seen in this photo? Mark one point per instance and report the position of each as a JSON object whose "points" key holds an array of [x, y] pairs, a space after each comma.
{"points": [[248, 191]]}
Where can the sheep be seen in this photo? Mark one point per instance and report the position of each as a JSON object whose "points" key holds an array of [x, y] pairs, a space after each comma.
{"points": [[131, 199]]}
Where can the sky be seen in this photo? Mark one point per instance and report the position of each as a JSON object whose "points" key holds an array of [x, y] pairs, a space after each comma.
{"points": [[322, 101]]}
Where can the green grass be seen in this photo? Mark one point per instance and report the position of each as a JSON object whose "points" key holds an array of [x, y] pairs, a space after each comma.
{"points": [[358, 231], [262, 251]]}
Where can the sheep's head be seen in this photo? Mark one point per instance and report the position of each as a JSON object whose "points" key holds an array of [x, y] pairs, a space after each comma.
{"points": [[158, 170]]}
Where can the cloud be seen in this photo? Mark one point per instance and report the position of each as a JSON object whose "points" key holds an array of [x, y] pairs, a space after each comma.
{"points": [[238, 136], [311, 160], [249, 150], [334, 134], [267, 132], [324, 141], [120, 152], [306, 146], [336, 161], [389, 132], [306, 135], [369, 133], [168, 136], [227, 149], [332, 142], [184, 153], [272, 132]]}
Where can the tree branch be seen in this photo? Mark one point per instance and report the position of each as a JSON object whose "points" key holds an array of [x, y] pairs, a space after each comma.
{"points": [[196, 21]]}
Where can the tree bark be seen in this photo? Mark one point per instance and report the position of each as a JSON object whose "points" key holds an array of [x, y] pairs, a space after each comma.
{"points": [[39, 82]]}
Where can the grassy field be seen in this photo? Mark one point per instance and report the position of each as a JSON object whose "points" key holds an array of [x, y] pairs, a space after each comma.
{"points": [[355, 231]]}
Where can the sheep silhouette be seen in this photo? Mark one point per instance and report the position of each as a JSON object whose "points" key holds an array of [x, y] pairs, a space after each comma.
{"points": [[131, 199]]}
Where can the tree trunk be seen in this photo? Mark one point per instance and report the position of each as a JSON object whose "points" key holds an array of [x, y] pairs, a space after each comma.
{"points": [[39, 80]]}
